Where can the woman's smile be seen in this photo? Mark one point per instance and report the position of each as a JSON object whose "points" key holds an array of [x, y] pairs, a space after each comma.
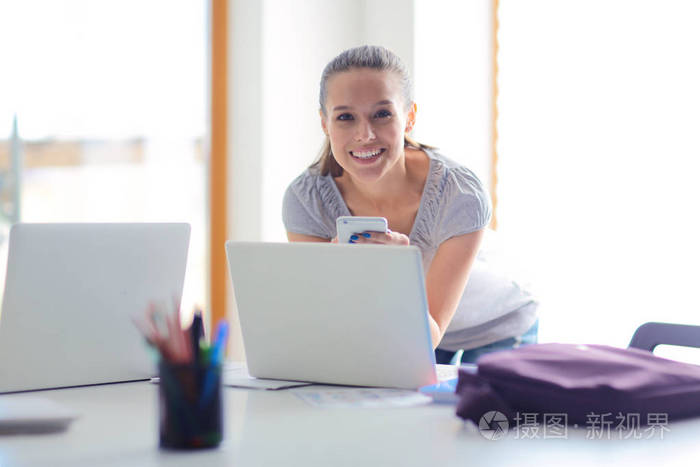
{"points": [[367, 156]]}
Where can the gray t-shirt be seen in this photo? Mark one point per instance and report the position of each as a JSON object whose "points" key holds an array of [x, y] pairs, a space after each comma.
{"points": [[453, 203]]}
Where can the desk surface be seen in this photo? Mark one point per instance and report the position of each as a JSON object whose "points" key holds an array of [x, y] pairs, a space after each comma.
{"points": [[118, 426]]}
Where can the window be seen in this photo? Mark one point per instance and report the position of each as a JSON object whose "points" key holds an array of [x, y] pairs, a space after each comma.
{"points": [[110, 101], [599, 156]]}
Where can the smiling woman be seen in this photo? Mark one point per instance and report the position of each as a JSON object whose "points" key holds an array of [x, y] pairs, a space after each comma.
{"points": [[370, 166]]}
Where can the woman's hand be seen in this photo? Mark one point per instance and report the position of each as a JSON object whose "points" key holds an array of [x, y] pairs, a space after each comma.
{"points": [[380, 238]]}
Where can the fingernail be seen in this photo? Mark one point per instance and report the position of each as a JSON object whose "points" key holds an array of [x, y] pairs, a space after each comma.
{"points": [[366, 235], [351, 241], [354, 237]]}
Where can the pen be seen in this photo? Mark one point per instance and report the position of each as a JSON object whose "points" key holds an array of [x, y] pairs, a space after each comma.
{"points": [[196, 335], [220, 342], [213, 369]]}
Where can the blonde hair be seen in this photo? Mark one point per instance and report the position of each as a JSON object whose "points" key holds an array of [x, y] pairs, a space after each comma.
{"points": [[366, 56]]}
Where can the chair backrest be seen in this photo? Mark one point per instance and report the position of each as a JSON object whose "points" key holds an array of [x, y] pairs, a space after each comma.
{"points": [[649, 335]]}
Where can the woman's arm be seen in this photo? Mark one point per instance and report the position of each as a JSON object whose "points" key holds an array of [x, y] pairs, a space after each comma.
{"points": [[447, 278], [295, 237]]}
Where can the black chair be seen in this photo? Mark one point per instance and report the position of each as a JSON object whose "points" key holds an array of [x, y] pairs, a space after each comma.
{"points": [[649, 335]]}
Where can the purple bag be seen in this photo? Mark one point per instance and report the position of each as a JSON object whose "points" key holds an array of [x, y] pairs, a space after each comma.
{"points": [[579, 381]]}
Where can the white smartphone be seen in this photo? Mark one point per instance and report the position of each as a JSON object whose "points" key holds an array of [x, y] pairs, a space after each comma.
{"points": [[349, 225]]}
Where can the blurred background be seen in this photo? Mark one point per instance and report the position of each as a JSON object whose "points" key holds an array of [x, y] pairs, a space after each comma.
{"points": [[580, 116], [103, 117]]}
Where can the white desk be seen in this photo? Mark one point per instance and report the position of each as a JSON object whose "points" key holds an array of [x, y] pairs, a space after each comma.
{"points": [[268, 428]]}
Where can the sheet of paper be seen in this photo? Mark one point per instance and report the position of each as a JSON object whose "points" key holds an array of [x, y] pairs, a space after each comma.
{"points": [[446, 372], [362, 398], [236, 375], [444, 391]]}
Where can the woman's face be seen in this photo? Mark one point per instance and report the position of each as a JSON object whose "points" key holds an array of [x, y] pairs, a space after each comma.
{"points": [[366, 119]]}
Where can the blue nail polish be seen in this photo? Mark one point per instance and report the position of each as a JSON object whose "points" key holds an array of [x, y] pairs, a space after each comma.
{"points": [[351, 241], [354, 237], [366, 235]]}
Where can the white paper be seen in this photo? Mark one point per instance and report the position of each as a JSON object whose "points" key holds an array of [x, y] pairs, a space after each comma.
{"points": [[363, 398], [236, 375]]}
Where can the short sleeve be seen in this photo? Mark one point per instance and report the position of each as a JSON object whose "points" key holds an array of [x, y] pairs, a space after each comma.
{"points": [[303, 209], [464, 205]]}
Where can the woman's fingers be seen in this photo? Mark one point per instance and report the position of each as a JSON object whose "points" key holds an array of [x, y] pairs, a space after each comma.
{"points": [[398, 238], [380, 238], [366, 237]]}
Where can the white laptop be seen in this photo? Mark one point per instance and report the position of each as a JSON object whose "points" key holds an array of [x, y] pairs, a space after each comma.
{"points": [[329, 313], [70, 293]]}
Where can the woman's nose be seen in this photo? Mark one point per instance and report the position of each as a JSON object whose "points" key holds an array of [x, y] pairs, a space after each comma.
{"points": [[364, 132]]}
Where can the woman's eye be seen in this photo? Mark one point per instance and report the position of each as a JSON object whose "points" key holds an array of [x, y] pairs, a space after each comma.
{"points": [[344, 117], [382, 114]]}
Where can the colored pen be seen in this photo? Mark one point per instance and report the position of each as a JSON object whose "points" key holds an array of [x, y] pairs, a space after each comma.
{"points": [[220, 342], [196, 335]]}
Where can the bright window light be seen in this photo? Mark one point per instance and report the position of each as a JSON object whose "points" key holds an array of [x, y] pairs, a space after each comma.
{"points": [[599, 161]]}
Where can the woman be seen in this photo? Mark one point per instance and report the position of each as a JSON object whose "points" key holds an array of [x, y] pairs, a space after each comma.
{"points": [[370, 166]]}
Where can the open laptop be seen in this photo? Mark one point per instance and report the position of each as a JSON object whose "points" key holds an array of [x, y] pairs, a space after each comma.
{"points": [[70, 293], [328, 313]]}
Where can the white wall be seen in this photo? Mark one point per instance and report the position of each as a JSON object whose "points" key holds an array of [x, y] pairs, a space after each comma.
{"points": [[391, 23], [598, 136], [245, 119], [453, 80]]}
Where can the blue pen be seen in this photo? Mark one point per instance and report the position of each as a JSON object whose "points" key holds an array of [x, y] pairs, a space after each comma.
{"points": [[216, 357], [220, 342]]}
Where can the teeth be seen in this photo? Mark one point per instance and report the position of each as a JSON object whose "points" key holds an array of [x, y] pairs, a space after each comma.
{"points": [[366, 155]]}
